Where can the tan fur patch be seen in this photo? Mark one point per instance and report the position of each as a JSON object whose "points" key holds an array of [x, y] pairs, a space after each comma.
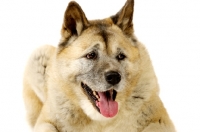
{"points": [[99, 79]]}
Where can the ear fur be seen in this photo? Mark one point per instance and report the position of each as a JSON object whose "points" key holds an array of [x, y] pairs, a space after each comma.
{"points": [[124, 17], [74, 22]]}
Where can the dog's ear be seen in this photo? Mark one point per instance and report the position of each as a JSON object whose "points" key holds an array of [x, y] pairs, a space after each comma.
{"points": [[124, 17], [74, 22]]}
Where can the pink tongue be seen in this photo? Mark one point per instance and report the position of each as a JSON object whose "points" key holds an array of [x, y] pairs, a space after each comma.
{"points": [[108, 107]]}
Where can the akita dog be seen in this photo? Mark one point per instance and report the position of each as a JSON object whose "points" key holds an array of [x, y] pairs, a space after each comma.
{"points": [[99, 79]]}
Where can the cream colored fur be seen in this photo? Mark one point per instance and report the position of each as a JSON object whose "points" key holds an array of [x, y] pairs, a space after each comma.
{"points": [[129, 113], [54, 99]]}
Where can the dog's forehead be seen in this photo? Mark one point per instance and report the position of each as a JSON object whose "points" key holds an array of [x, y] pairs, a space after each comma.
{"points": [[106, 33]]}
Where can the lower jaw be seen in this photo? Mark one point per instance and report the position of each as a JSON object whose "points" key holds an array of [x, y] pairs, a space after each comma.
{"points": [[97, 116]]}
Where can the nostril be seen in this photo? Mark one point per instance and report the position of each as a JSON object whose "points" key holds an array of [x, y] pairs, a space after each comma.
{"points": [[109, 78], [113, 77]]}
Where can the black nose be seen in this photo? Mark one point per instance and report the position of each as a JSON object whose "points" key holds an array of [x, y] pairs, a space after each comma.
{"points": [[113, 77]]}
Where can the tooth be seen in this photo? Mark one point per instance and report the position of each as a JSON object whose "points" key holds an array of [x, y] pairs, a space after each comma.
{"points": [[95, 94], [111, 92], [83, 84]]}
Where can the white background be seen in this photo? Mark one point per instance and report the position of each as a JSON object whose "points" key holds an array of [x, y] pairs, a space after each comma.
{"points": [[169, 28]]}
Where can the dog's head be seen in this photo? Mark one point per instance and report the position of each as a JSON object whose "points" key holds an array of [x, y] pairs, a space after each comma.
{"points": [[99, 59]]}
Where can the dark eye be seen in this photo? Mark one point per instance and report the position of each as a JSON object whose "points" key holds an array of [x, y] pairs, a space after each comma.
{"points": [[91, 55], [120, 57]]}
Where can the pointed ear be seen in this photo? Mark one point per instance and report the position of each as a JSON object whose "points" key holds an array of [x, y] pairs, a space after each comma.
{"points": [[124, 17], [74, 22]]}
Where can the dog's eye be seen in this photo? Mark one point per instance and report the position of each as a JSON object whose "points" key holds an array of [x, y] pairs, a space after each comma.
{"points": [[120, 57], [91, 55]]}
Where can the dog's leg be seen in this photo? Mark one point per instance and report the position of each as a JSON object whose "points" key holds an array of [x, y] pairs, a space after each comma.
{"points": [[45, 127], [32, 103], [35, 77]]}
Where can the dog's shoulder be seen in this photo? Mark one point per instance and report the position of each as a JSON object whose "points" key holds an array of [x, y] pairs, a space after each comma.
{"points": [[35, 73]]}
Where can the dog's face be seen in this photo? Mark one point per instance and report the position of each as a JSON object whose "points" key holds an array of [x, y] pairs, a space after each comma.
{"points": [[99, 59]]}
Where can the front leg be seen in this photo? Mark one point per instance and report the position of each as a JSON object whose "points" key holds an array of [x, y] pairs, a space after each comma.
{"points": [[45, 127]]}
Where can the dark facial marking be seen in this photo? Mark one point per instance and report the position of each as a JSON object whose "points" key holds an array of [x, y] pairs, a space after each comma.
{"points": [[137, 97], [103, 33]]}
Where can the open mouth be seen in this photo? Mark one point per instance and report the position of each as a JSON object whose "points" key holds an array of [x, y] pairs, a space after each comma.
{"points": [[104, 102]]}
